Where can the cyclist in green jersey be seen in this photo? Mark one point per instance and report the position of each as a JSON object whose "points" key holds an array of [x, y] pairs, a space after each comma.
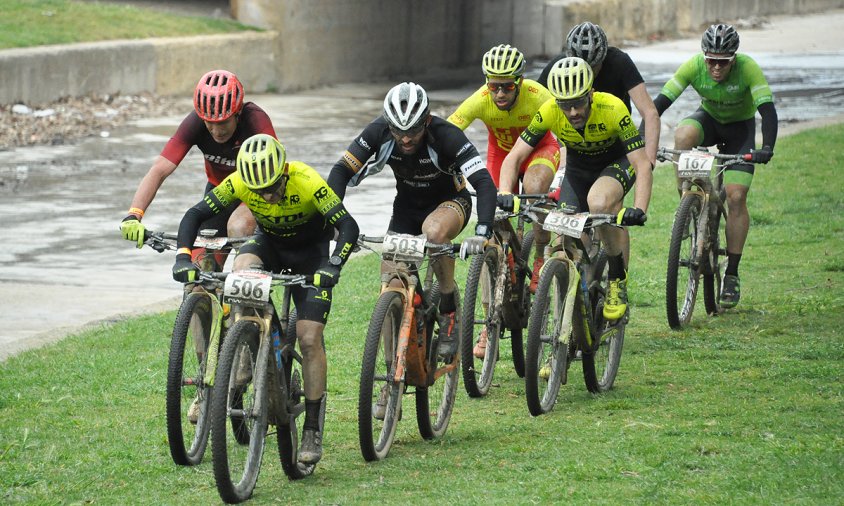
{"points": [[732, 88]]}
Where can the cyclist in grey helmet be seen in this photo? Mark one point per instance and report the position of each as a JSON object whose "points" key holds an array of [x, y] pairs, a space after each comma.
{"points": [[732, 88]]}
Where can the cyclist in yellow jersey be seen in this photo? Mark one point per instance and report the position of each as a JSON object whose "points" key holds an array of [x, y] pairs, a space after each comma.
{"points": [[297, 214], [604, 156], [506, 104]]}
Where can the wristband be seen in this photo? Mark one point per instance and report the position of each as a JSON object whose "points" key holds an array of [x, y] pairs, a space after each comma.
{"points": [[185, 251], [136, 211]]}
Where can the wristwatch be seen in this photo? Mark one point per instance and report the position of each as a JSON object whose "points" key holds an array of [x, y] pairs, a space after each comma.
{"points": [[483, 230], [335, 260]]}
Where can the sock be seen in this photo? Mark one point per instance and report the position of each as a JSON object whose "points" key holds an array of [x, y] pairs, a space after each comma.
{"points": [[733, 260], [447, 303], [616, 270], [312, 414]]}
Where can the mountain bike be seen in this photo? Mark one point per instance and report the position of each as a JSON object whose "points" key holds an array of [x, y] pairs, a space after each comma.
{"points": [[401, 347], [197, 334], [698, 241], [566, 321], [497, 296], [258, 382]]}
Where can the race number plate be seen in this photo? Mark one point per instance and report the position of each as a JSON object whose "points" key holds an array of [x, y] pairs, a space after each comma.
{"points": [[248, 288], [564, 223], [404, 247], [695, 165], [214, 243]]}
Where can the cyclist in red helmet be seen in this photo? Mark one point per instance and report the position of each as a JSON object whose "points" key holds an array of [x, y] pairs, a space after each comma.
{"points": [[218, 125]]}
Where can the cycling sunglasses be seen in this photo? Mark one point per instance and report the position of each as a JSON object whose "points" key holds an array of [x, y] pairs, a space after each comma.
{"points": [[410, 132], [496, 87], [273, 187], [720, 62], [576, 103]]}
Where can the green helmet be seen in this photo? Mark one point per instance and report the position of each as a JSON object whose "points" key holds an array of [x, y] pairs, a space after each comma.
{"points": [[503, 61], [570, 78], [260, 161]]}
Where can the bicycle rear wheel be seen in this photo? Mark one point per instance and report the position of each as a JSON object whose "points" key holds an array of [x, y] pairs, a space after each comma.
{"points": [[435, 403], [600, 364], [379, 398], [684, 266], [288, 432], [517, 342], [713, 274], [186, 386], [546, 361], [236, 394], [480, 317]]}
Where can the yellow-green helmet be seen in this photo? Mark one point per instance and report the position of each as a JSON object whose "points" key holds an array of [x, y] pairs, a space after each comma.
{"points": [[570, 78], [260, 161], [503, 61]]}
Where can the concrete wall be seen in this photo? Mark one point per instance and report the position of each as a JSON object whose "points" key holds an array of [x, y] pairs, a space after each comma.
{"points": [[315, 43]]}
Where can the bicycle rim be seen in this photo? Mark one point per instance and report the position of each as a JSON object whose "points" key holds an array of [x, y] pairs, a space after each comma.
{"points": [[186, 381], [376, 434], [546, 359], [684, 265], [236, 465], [435, 403], [479, 317], [288, 431]]}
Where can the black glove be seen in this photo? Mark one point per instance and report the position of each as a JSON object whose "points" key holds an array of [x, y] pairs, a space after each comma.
{"points": [[183, 270], [763, 155], [631, 216], [327, 276], [508, 202]]}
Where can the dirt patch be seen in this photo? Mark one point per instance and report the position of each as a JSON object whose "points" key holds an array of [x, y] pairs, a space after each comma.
{"points": [[70, 119]]}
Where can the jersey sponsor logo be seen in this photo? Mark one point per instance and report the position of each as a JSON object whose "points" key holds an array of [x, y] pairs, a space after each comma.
{"points": [[321, 193], [464, 148], [597, 127], [336, 216], [625, 122], [220, 160], [362, 143], [533, 89], [472, 166], [278, 220], [525, 117], [294, 199]]}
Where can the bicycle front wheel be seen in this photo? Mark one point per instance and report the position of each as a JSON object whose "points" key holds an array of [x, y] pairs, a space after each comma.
{"points": [[684, 265], [379, 398], [188, 396], [237, 395], [435, 403], [481, 320], [546, 361]]}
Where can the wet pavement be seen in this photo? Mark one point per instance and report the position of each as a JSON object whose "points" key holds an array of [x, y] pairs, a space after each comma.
{"points": [[63, 263]]}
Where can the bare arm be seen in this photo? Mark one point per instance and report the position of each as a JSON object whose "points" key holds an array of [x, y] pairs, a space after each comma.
{"points": [[160, 170], [510, 166], [644, 178], [647, 110]]}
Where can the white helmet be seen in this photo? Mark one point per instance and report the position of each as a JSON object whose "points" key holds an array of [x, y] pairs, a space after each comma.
{"points": [[406, 106]]}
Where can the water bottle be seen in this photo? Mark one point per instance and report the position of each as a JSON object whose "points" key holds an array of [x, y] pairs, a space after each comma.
{"points": [[557, 183], [277, 346]]}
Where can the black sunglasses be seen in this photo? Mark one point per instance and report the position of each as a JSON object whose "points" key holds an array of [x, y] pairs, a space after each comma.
{"points": [[410, 132], [576, 103], [721, 62]]}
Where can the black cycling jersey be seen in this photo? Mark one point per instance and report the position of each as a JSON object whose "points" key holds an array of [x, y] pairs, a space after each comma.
{"points": [[617, 76], [437, 172]]}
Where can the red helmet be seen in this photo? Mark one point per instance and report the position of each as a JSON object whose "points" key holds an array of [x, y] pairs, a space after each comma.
{"points": [[218, 96]]}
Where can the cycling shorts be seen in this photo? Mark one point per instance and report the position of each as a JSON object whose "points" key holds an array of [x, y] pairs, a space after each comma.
{"points": [[409, 220], [578, 182], [546, 153], [312, 304], [731, 138]]}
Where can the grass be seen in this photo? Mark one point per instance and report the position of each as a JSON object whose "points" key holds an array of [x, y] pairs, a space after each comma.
{"points": [[27, 23], [741, 409]]}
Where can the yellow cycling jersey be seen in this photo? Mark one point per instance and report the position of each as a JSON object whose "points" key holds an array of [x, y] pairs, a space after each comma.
{"points": [[301, 213], [504, 126], [608, 135]]}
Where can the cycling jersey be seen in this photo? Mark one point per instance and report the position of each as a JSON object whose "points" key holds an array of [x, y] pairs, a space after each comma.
{"points": [[734, 99], [504, 127], [608, 135], [306, 214], [219, 158], [436, 173], [618, 74]]}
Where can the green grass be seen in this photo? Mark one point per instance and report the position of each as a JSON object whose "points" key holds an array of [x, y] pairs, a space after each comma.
{"points": [[27, 23], [745, 408]]}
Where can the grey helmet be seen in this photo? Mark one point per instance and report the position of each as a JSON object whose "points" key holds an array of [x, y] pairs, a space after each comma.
{"points": [[587, 41], [720, 39], [405, 106]]}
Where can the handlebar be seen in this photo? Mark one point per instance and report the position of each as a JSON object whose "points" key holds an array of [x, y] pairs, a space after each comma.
{"points": [[438, 249], [163, 241], [286, 279], [662, 154]]}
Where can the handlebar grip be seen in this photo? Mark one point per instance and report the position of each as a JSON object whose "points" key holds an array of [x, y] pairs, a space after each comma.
{"points": [[747, 157], [554, 194]]}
